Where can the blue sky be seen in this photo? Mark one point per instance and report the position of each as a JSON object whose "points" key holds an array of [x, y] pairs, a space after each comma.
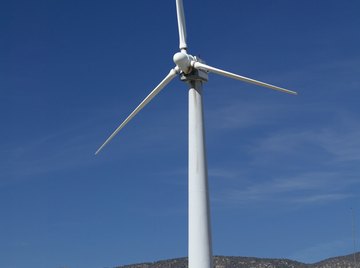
{"points": [[283, 170]]}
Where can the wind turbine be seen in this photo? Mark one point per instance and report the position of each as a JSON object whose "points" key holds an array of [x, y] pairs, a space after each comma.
{"points": [[194, 72]]}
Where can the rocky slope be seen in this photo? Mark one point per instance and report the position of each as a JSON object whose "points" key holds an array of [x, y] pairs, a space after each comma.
{"points": [[249, 262]]}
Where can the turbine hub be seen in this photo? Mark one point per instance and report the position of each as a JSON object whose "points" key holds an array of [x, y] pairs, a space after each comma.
{"points": [[183, 60]]}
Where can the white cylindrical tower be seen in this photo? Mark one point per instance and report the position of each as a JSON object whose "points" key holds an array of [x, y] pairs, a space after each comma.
{"points": [[200, 247]]}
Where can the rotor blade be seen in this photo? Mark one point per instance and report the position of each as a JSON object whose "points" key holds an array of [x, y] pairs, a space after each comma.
{"points": [[163, 83], [181, 24], [199, 65]]}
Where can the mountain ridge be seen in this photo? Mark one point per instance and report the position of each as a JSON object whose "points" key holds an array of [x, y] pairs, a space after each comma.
{"points": [[346, 261]]}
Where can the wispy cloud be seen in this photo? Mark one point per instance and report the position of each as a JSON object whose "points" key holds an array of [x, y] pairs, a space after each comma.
{"points": [[314, 188], [63, 150], [239, 114], [321, 251], [224, 173], [340, 141], [326, 167], [323, 198]]}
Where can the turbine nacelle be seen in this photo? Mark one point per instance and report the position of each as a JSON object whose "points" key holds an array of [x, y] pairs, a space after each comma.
{"points": [[183, 61]]}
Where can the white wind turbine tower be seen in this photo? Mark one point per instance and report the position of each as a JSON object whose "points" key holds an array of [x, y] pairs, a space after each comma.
{"points": [[194, 72]]}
